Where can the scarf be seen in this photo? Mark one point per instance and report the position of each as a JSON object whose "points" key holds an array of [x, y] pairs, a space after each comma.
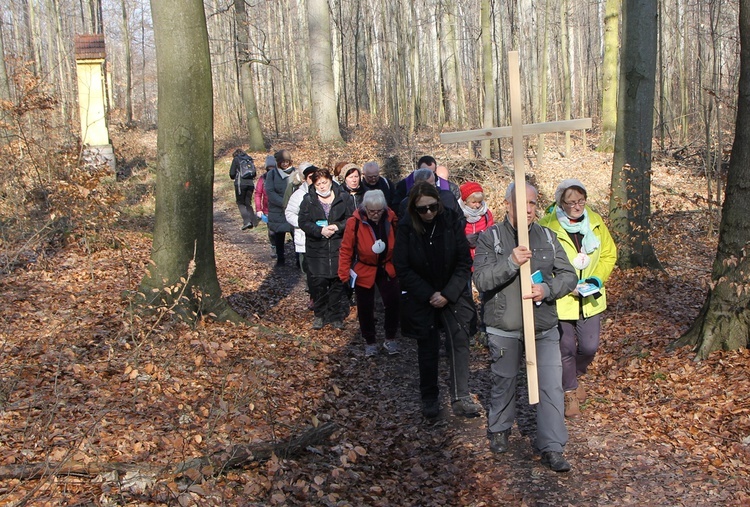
{"points": [[590, 241], [283, 173], [473, 215]]}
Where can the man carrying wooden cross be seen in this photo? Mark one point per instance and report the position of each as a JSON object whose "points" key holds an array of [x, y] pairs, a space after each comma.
{"points": [[504, 273], [497, 274]]}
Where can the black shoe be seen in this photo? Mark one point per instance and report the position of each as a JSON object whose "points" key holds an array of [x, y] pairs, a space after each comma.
{"points": [[431, 409], [337, 324], [555, 461], [318, 323], [466, 407], [247, 226], [499, 441]]}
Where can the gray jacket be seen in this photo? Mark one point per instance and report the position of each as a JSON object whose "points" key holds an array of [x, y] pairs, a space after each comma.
{"points": [[497, 276]]}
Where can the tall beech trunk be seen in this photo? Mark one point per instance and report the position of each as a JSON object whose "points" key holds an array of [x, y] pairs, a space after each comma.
{"points": [[182, 273], [630, 203], [724, 321]]}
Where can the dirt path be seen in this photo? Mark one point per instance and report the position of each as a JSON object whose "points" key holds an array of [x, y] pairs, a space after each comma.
{"points": [[410, 461]]}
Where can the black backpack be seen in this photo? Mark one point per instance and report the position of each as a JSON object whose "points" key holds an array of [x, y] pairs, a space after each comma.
{"points": [[247, 166]]}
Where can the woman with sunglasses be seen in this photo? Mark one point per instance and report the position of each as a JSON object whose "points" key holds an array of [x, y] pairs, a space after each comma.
{"points": [[365, 261], [592, 252], [433, 264]]}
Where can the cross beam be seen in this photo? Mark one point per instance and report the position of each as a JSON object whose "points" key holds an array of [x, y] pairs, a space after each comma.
{"points": [[517, 131]]}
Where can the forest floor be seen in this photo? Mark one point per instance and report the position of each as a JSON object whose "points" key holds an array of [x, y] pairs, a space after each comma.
{"points": [[88, 383]]}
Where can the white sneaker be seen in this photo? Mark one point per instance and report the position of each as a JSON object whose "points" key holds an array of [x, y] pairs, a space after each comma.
{"points": [[391, 346], [371, 350]]}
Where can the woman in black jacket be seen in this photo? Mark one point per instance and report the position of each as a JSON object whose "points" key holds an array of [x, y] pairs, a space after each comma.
{"points": [[433, 265], [323, 214]]}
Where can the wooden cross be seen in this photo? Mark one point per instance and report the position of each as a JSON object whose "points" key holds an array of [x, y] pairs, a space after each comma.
{"points": [[517, 130]]}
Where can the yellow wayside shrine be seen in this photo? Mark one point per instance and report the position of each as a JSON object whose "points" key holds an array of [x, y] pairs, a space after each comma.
{"points": [[92, 99]]}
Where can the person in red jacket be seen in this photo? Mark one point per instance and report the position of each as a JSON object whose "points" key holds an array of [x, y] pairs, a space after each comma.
{"points": [[365, 260], [478, 216]]}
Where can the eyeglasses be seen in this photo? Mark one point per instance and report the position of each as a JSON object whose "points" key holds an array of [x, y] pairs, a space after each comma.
{"points": [[431, 208], [579, 202], [375, 211]]}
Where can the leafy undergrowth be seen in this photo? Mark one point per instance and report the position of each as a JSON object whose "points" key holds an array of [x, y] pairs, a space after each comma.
{"points": [[87, 381]]}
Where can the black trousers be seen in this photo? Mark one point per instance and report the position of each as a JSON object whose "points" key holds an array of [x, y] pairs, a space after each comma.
{"points": [[327, 297]]}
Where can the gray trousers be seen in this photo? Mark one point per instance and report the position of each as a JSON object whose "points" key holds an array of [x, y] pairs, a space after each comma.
{"points": [[506, 352]]}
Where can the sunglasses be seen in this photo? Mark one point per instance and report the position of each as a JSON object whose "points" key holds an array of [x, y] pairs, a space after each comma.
{"points": [[431, 208]]}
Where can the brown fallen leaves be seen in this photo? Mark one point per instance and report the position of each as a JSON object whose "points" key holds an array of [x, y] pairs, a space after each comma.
{"points": [[85, 380]]}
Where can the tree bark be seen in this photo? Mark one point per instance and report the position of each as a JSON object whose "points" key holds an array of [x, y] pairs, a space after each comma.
{"points": [[182, 274], [128, 64], [724, 321], [254, 130], [4, 91], [609, 75], [567, 77], [488, 77], [630, 202], [324, 119]]}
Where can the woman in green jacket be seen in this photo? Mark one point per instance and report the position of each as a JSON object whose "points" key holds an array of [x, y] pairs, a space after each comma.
{"points": [[593, 254]]}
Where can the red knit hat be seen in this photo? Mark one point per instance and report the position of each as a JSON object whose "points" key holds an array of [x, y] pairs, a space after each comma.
{"points": [[470, 187]]}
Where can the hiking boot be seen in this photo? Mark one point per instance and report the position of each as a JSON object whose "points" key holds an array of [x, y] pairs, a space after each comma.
{"points": [[571, 405], [337, 324], [466, 407], [318, 323], [371, 350], [247, 226], [431, 409], [581, 393], [391, 346], [499, 441], [555, 461]]}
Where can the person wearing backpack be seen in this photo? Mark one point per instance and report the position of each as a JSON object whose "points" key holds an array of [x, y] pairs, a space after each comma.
{"points": [[497, 268], [242, 171]]}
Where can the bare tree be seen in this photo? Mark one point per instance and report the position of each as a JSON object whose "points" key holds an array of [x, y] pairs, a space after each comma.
{"points": [[128, 63], [255, 133], [324, 119], [724, 321], [609, 75], [630, 203], [182, 273]]}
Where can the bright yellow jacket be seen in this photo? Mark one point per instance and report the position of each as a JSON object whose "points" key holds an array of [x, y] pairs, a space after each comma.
{"points": [[602, 263]]}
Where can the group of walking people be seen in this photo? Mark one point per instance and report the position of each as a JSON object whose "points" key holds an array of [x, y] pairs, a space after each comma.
{"points": [[421, 244]]}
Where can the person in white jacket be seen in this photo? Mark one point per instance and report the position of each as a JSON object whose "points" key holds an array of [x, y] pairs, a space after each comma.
{"points": [[291, 212]]}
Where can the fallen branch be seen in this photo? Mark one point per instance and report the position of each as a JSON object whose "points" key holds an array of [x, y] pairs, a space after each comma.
{"points": [[236, 456]]}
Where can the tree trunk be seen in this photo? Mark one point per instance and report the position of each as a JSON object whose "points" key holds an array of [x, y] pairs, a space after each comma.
{"points": [[182, 275], [544, 70], [254, 130], [488, 77], [324, 122], [609, 75], [128, 64], [567, 77], [630, 203], [4, 90], [724, 321], [450, 64]]}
